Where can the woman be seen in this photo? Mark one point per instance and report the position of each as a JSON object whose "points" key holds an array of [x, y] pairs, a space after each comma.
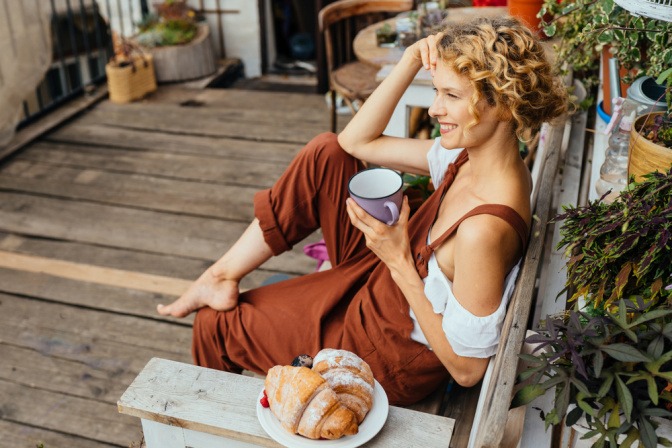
{"points": [[416, 312]]}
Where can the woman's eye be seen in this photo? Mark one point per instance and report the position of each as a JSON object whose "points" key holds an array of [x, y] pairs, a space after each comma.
{"points": [[450, 95]]}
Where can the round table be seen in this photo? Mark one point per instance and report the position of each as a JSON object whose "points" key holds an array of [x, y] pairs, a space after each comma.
{"points": [[367, 50]]}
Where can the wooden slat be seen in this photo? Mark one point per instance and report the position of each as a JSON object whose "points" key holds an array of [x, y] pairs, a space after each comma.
{"points": [[81, 293], [63, 365], [16, 435], [185, 396], [133, 190], [94, 274], [89, 132], [121, 259], [108, 341], [496, 405], [80, 417], [275, 126], [155, 232], [178, 166]]}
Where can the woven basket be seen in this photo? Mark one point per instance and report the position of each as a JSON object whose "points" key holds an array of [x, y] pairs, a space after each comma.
{"points": [[654, 9], [131, 82], [645, 156]]}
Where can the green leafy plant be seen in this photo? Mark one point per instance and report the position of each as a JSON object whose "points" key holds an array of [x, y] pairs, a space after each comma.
{"points": [[173, 24], [610, 361], [584, 27]]}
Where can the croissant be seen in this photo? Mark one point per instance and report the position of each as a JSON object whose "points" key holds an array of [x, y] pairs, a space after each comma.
{"points": [[349, 376], [304, 404]]}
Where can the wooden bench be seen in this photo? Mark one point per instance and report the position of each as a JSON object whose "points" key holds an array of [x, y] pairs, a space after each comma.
{"points": [[183, 405]]}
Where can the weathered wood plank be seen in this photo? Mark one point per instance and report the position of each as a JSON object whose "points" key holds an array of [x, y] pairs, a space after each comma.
{"points": [[108, 341], [242, 99], [89, 132], [15, 435], [143, 230], [116, 258], [81, 417], [134, 190], [123, 259], [83, 293], [499, 391], [179, 166], [29, 368], [275, 126], [82, 272]]}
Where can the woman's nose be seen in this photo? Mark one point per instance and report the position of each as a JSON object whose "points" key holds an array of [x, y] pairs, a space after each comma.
{"points": [[436, 109]]}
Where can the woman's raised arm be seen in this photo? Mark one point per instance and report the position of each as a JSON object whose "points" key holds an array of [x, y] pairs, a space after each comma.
{"points": [[363, 136]]}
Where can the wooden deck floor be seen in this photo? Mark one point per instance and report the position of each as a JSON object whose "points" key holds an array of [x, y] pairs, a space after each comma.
{"points": [[109, 215]]}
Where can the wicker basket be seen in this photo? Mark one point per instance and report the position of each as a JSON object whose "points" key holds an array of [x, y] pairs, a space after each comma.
{"points": [[654, 9], [646, 156], [131, 82]]}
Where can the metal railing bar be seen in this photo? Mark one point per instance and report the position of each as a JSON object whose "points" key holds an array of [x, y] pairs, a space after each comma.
{"points": [[73, 40], [65, 79], [85, 32], [120, 11], [220, 28], [101, 58], [38, 95], [130, 13]]}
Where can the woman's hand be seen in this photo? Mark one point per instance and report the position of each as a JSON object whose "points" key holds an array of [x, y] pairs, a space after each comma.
{"points": [[425, 51], [390, 243]]}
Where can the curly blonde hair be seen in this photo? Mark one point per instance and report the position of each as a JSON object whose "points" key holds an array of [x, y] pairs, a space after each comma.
{"points": [[507, 67]]}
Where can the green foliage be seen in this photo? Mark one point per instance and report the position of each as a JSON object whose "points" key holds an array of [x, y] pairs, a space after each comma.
{"points": [[175, 24], [611, 362], [585, 27], [621, 249]]}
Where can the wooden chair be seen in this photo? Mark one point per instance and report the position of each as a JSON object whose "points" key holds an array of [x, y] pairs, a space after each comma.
{"points": [[352, 79]]}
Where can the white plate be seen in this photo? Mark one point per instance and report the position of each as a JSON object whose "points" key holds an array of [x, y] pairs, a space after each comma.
{"points": [[371, 425]]}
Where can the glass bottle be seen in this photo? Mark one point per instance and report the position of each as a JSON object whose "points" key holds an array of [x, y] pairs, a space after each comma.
{"points": [[614, 170]]}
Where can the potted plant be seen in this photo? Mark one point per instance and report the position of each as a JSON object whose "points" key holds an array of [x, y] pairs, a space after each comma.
{"points": [[609, 358], [583, 29], [178, 41], [651, 136]]}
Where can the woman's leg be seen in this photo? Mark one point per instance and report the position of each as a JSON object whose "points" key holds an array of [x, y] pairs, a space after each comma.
{"points": [[217, 287], [310, 193], [273, 324]]}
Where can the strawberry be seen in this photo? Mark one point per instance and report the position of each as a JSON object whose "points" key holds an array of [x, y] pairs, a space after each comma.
{"points": [[264, 401]]}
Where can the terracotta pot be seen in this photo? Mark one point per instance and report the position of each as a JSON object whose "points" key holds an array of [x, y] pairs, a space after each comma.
{"points": [[606, 87], [646, 156], [526, 11]]}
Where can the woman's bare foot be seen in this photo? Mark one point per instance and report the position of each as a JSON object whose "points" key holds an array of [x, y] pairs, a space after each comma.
{"points": [[209, 290]]}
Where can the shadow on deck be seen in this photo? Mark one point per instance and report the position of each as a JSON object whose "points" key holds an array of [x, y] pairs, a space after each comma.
{"points": [[107, 216]]}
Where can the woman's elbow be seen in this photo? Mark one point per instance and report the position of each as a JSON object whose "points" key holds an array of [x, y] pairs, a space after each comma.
{"points": [[469, 376], [467, 379], [347, 145]]}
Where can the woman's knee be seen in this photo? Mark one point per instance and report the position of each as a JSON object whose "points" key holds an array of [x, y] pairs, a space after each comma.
{"points": [[325, 146]]}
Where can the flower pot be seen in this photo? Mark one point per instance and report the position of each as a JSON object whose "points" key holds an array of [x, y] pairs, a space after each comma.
{"points": [[192, 60], [646, 156], [131, 82], [526, 11]]}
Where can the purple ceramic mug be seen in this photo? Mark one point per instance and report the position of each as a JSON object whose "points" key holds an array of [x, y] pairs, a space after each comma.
{"points": [[379, 192]]}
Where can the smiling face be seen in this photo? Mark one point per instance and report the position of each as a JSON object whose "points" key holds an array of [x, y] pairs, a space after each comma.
{"points": [[452, 108]]}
